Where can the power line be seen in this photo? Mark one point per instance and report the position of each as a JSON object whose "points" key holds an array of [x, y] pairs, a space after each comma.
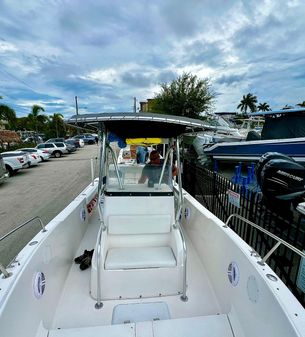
{"points": [[17, 79]]}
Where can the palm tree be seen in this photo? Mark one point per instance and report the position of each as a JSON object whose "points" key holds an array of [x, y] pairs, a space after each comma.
{"points": [[57, 120], [263, 107], [8, 114], [302, 105], [248, 101], [35, 118]]}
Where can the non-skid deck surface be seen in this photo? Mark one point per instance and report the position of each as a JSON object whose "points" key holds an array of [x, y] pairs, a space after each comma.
{"points": [[204, 326], [77, 309]]}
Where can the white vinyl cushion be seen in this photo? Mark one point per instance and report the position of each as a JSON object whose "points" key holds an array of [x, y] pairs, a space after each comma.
{"points": [[139, 224], [140, 257]]}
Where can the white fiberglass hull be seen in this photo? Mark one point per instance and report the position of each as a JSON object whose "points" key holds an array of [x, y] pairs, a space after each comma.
{"points": [[244, 303]]}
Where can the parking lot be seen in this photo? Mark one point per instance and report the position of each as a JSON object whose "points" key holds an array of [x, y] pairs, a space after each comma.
{"points": [[44, 190]]}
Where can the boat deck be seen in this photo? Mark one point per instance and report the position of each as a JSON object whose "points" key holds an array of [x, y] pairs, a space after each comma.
{"points": [[76, 308]]}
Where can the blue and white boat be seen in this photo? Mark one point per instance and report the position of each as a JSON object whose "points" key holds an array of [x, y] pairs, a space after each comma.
{"points": [[283, 131]]}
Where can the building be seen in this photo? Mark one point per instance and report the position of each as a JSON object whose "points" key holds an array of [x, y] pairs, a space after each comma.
{"points": [[147, 106]]}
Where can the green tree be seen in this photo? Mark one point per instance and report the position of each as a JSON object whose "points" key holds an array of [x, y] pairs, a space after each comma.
{"points": [[22, 123], [186, 96], [263, 107], [58, 124], [302, 105], [35, 119], [248, 101], [8, 115]]}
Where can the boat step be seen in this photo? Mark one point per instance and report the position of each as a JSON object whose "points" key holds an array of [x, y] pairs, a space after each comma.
{"points": [[201, 326]]}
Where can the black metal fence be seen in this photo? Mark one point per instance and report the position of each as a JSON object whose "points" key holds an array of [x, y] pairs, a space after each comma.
{"points": [[223, 198]]}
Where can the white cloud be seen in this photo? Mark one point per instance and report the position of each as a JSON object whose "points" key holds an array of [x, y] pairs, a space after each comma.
{"points": [[105, 76], [7, 47]]}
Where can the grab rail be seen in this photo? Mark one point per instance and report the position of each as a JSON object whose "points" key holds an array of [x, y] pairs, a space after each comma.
{"points": [[22, 225], [163, 167], [183, 297], [99, 304], [273, 249], [5, 273], [116, 166], [100, 211]]}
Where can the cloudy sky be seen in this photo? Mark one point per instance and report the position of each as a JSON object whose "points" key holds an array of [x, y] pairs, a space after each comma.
{"points": [[107, 52]]}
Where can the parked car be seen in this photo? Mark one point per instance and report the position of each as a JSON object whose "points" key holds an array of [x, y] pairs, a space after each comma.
{"points": [[43, 154], [54, 140], [78, 143], [87, 138], [34, 159], [70, 147], [62, 140], [55, 149], [15, 160], [3, 173], [36, 140]]}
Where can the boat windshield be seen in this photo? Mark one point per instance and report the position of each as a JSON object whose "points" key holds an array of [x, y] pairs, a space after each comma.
{"points": [[252, 124], [215, 120], [139, 178]]}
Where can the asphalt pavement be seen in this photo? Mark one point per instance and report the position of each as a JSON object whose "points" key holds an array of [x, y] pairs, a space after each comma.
{"points": [[41, 191]]}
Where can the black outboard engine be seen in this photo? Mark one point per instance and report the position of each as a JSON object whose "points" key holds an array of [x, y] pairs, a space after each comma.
{"points": [[264, 160], [253, 135], [282, 181]]}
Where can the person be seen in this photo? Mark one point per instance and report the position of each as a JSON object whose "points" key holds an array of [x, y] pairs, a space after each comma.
{"points": [[96, 140], [152, 170]]}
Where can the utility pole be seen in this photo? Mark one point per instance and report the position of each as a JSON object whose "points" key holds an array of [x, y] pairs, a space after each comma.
{"points": [[134, 104], [76, 108]]}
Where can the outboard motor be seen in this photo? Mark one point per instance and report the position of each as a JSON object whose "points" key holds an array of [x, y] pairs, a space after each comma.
{"points": [[264, 159], [282, 182], [253, 135], [283, 179]]}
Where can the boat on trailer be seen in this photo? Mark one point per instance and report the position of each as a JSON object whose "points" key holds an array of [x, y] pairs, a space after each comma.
{"points": [[163, 265]]}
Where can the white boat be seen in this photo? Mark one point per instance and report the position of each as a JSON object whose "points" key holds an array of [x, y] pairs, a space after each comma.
{"points": [[251, 124], [163, 265]]}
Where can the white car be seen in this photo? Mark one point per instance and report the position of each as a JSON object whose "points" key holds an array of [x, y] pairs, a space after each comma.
{"points": [[34, 159], [3, 173], [56, 149], [15, 161], [43, 154]]}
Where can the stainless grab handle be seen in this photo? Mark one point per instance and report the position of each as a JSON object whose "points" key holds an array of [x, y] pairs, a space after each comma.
{"points": [[3, 270], [279, 240]]}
